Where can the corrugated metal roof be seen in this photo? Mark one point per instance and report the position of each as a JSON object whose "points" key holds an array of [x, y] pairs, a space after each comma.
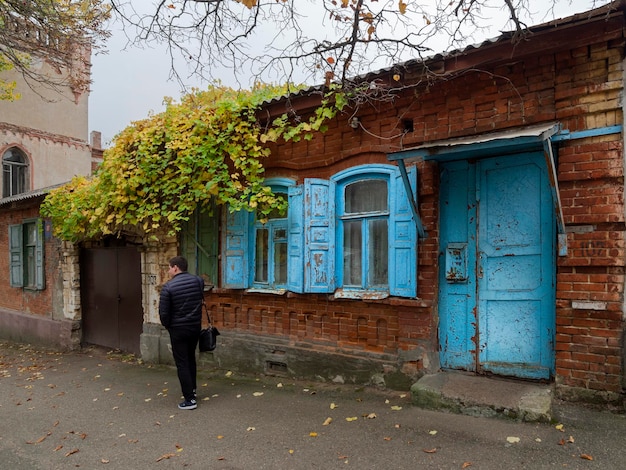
{"points": [[35, 193], [510, 138]]}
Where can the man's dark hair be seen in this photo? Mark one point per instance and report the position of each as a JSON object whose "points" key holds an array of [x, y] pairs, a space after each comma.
{"points": [[179, 261]]}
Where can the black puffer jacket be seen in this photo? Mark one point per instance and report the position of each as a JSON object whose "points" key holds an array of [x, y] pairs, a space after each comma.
{"points": [[181, 301]]}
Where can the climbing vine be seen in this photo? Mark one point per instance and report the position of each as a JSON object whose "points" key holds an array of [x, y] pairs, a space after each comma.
{"points": [[207, 147]]}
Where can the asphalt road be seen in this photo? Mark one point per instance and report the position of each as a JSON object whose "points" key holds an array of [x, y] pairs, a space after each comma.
{"points": [[98, 410]]}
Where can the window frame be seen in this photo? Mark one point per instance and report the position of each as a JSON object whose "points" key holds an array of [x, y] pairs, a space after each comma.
{"points": [[364, 218], [278, 186], [239, 244], [9, 170], [402, 237], [20, 268]]}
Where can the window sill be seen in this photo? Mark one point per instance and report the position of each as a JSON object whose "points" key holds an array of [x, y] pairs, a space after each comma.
{"points": [[259, 290], [360, 294]]}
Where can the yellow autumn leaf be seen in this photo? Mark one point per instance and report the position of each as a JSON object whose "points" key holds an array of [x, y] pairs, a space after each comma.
{"points": [[354, 418], [396, 408], [313, 434], [327, 421], [402, 6], [333, 406]]}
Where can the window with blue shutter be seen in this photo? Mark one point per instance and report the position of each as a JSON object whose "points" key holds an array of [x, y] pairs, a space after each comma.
{"points": [[376, 240], [255, 254], [235, 274], [26, 251]]}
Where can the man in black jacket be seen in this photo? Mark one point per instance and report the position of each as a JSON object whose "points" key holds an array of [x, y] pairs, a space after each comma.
{"points": [[180, 310]]}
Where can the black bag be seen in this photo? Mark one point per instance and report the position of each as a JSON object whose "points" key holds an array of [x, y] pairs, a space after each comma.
{"points": [[208, 336]]}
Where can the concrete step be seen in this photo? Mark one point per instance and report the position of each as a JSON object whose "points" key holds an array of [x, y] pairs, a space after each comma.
{"points": [[476, 395]]}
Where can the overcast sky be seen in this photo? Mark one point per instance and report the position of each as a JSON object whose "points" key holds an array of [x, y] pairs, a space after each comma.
{"points": [[129, 84]]}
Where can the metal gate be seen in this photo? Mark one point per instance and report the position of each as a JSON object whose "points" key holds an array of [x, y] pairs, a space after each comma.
{"points": [[497, 265], [111, 297]]}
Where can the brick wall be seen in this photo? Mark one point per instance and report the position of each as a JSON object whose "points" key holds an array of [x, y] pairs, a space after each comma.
{"points": [[24, 300], [579, 88]]}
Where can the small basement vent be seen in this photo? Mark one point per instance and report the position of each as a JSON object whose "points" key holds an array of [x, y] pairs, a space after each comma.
{"points": [[276, 368]]}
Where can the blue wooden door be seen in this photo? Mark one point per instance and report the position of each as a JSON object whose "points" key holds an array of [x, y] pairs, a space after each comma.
{"points": [[497, 267]]}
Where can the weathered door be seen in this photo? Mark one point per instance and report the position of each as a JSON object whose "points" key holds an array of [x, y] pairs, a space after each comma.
{"points": [[496, 296], [111, 297]]}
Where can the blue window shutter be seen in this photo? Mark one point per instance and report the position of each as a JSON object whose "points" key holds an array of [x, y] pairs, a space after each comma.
{"points": [[16, 252], [235, 260], [402, 238], [40, 269], [319, 235], [295, 241]]}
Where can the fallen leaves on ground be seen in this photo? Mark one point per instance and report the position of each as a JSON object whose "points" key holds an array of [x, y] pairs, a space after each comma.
{"points": [[586, 457], [40, 440], [166, 456]]}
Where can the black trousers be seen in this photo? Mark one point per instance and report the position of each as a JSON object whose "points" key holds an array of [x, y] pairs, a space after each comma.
{"points": [[184, 341]]}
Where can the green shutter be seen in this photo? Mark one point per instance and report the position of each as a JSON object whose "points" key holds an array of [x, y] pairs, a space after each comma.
{"points": [[16, 253], [40, 265], [199, 243]]}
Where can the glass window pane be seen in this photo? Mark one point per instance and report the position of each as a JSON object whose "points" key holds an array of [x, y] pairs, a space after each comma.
{"points": [[30, 269], [366, 196], [262, 251], [31, 234], [352, 249], [280, 263], [6, 180], [378, 253], [14, 173], [30, 241]]}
